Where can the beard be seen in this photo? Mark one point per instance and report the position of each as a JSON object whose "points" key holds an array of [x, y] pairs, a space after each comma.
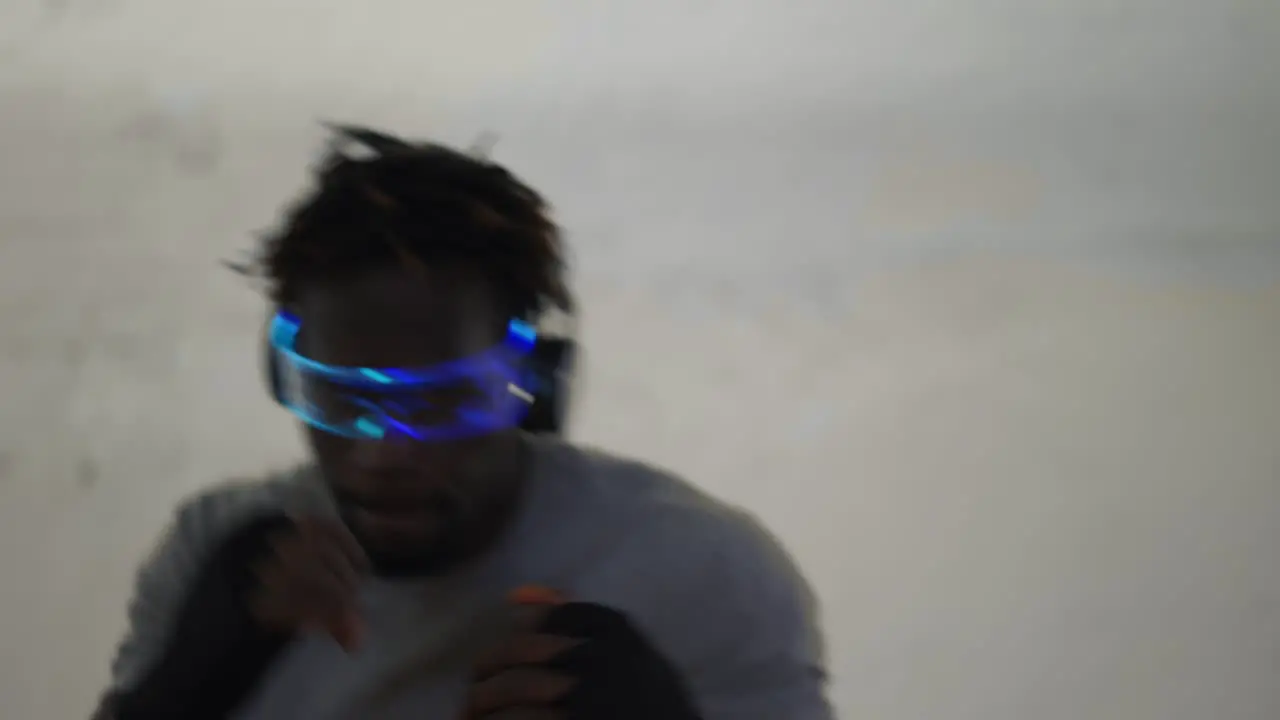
{"points": [[433, 549], [423, 563], [452, 533], [408, 534]]}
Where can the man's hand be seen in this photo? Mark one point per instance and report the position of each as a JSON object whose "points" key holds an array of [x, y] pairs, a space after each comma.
{"points": [[308, 581], [266, 581], [577, 661]]}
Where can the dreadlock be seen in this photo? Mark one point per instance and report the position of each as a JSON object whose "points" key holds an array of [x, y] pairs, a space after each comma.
{"points": [[402, 202]]}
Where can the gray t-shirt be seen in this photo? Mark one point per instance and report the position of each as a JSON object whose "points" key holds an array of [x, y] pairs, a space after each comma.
{"points": [[713, 591]]}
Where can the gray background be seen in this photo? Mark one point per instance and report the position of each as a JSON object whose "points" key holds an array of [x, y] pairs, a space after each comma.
{"points": [[975, 302]]}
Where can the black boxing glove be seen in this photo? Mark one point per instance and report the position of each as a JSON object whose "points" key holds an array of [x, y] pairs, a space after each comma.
{"points": [[620, 674], [216, 653]]}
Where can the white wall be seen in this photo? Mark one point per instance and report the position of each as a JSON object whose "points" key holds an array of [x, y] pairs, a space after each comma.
{"points": [[975, 302]]}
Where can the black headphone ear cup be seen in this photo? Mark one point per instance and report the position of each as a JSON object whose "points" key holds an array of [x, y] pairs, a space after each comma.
{"points": [[271, 368], [562, 376], [549, 373]]}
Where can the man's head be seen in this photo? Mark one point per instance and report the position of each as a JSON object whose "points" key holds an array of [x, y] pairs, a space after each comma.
{"points": [[409, 256]]}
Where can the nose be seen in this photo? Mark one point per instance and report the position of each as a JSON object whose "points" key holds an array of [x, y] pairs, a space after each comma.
{"points": [[394, 451]]}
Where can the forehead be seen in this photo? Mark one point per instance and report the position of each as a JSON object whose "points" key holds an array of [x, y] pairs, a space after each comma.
{"points": [[399, 317]]}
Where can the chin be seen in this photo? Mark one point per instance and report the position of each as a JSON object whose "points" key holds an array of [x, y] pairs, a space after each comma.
{"points": [[410, 565]]}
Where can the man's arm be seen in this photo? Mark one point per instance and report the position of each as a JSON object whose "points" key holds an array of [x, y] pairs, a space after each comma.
{"points": [[186, 623], [158, 590]]}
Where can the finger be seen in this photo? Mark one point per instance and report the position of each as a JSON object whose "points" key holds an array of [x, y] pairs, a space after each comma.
{"points": [[523, 649], [334, 560], [310, 584], [530, 606], [271, 592], [264, 600], [302, 560], [526, 619], [342, 620], [516, 688], [309, 558], [348, 631], [308, 588], [330, 531], [320, 603], [536, 595], [280, 545]]}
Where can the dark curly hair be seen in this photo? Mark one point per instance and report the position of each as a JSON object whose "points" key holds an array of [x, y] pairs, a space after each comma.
{"points": [[379, 199]]}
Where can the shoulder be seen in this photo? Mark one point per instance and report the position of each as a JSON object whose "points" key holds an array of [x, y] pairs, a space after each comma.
{"points": [[204, 518], [656, 509], [200, 522], [676, 554], [710, 585], [208, 515]]}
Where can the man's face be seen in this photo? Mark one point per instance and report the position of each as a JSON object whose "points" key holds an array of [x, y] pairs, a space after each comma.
{"points": [[416, 507]]}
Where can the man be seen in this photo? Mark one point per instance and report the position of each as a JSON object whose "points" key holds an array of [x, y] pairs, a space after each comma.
{"points": [[437, 560]]}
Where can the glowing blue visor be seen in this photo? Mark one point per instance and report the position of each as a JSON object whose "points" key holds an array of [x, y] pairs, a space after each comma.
{"points": [[471, 396]]}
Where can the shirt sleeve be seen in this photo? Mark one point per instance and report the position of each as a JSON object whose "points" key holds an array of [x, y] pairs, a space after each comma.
{"points": [[158, 591], [762, 655], [171, 568]]}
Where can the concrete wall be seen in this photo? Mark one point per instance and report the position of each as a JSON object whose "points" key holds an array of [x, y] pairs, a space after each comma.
{"points": [[976, 302]]}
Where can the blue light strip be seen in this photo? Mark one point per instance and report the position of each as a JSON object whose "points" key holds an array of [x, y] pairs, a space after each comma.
{"points": [[367, 428], [521, 337]]}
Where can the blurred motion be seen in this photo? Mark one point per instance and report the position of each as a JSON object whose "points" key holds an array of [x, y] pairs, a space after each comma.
{"points": [[975, 304], [414, 288]]}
